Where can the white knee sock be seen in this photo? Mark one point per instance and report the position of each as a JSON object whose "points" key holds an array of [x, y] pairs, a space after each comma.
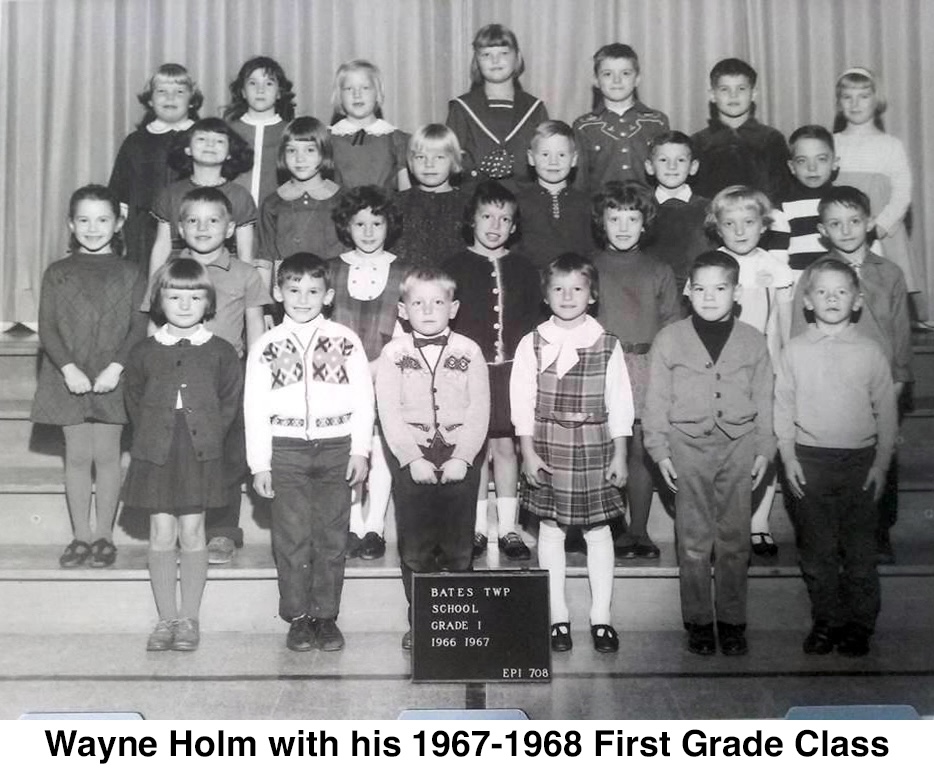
{"points": [[551, 557], [760, 518], [600, 573], [507, 515], [379, 484]]}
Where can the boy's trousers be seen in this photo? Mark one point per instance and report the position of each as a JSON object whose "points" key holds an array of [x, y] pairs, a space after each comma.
{"points": [[837, 527], [713, 509], [310, 522]]}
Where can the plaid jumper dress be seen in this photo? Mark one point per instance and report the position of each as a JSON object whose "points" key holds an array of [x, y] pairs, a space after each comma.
{"points": [[571, 435]]}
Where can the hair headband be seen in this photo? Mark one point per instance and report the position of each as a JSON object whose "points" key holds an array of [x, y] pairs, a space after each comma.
{"points": [[862, 71]]}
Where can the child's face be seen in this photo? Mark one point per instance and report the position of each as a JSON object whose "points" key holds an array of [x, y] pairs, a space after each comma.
{"points": [[733, 95], [431, 166], [671, 164], [428, 306], [170, 99], [208, 148], [713, 294], [617, 79], [305, 298], [184, 308], [846, 228], [261, 91], [740, 227], [812, 162], [205, 226], [303, 159], [858, 104], [94, 225], [623, 228], [568, 297], [832, 297], [358, 95], [493, 223], [553, 158], [497, 63], [368, 231]]}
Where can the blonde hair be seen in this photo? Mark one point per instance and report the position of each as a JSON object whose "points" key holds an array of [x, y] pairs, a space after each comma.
{"points": [[438, 135], [737, 196], [859, 77], [356, 65]]}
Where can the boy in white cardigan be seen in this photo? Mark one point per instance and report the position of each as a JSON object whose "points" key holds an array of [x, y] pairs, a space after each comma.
{"points": [[433, 397]]}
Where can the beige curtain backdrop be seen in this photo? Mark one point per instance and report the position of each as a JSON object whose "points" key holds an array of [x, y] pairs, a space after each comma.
{"points": [[70, 71]]}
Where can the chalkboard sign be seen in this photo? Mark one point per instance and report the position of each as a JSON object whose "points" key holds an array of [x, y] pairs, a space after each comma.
{"points": [[490, 626]]}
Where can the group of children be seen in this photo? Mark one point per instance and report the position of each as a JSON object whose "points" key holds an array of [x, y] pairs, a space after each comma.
{"points": [[420, 334]]}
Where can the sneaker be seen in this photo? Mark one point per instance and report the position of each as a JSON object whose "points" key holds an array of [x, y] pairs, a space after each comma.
{"points": [[763, 545], [161, 637], [328, 636], [605, 639], [220, 550], [646, 548], [301, 635], [479, 544], [820, 640], [103, 554], [373, 546], [75, 555], [407, 641], [186, 636], [561, 637], [354, 543], [512, 546], [854, 640], [732, 639], [701, 639]]}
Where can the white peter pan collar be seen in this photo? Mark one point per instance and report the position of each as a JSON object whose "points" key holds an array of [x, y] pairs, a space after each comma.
{"points": [[561, 344], [346, 128]]}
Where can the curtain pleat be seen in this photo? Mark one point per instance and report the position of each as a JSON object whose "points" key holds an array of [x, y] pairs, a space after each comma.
{"points": [[72, 70]]}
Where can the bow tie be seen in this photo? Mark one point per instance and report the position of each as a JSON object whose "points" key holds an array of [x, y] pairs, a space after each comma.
{"points": [[439, 340], [183, 343]]}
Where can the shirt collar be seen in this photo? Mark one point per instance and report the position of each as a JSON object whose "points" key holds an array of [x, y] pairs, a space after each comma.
{"points": [[355, 259], [158, 126], [222, 260], [274, 120], [816, 334], [346, 128], [199, 337], [682, 193], [561, 344]]}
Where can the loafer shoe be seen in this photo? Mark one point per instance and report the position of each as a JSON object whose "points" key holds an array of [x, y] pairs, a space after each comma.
{"points": [[187, 635], [220, 550], [160, 639], [561, 637], [328, 636], [301, 635], [373, 546]]}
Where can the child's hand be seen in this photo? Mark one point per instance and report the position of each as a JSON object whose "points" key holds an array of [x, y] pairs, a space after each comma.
{"points": [[262, 484], [108, 379], [76, 380], [875, 482], [616, 473], [668, 474], [795, 475], [532, 465], [356, 469], [759, 467], [453, 471], [423, 472]]}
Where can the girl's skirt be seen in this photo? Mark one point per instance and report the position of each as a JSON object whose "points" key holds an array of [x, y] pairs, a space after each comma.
{"points": [[577, 492], [182, 486]]}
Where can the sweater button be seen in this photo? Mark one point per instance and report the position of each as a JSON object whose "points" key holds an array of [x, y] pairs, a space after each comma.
{"points": [[708, 365], [178, 363], [718, 377], [716, 395], [719, 414]]}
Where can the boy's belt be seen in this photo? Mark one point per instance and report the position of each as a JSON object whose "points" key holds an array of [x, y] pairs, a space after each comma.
{"points": [[636, 349]]}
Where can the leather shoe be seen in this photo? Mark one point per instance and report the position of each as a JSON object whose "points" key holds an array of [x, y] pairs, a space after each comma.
{"points": [[820, 640], [732, 639], [407, 641], [301, 635], [701, 639], [605, 639], [373, 546], [854, 640], [479, 544], [561, 637], [512, 546], [328, 636]]}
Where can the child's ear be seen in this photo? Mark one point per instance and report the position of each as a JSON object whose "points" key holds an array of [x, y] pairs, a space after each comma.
{"points": [[188, 151], [455, 305], [118, 225], [574, 160], [231, 228], [329, 297], [403, 312], [530, 158], [858, 302], [809, 305], [694, 168], [649, 168], [277, 293], [821, 229], [737, 292]]}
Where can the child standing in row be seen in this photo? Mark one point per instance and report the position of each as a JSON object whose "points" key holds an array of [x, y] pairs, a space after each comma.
{"points": [[209, 154], [309, 423], [366, 299], [680, 232], [433, 393], [433, 208], [89, 320], [555, 215], [501, 301], [183, 393], [495, 120], [639, 300], [708, 425], [614, 138], [367, 148], [735, 148], [836, 422], [739, 216], [572, 409], [171, 100], [298, 216], [261, 104]]}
